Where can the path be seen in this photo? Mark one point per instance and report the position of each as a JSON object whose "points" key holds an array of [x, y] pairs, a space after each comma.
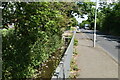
{"points": [[94, 62], [107, 42]]}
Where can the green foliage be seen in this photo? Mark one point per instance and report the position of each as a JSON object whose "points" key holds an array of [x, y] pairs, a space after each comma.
{"points": [[35, 36], [108, 16], [74, 22], [75, 42], [86, 8], [109, 19], [74, 68], [82, 25], [75, 52]]}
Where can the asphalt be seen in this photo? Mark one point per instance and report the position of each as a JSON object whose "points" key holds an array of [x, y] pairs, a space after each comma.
{"points": [[94, 62], [108, 42]]}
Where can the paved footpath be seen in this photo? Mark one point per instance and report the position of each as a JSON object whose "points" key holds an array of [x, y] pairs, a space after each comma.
{"points": [[94, 62]]}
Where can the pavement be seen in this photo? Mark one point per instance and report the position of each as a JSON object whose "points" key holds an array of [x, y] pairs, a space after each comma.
{"points": [[108, 42], [94, 62]]}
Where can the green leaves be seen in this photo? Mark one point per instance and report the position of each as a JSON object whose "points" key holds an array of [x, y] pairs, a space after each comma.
{"points": [[35, 36], [109, 19]]}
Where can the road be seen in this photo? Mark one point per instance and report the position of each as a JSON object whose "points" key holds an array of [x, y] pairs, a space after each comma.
{"points": [[109, 43]]}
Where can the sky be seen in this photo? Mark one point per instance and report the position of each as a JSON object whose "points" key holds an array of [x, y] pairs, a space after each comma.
{"points": [[93, 0], [79, 19]]}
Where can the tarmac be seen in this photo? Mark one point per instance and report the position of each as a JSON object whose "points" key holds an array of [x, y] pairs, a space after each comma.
{"points": [[94, 62]]}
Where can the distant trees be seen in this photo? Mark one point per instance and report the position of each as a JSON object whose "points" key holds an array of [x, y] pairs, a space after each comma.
{"points": [[87, 8], [108, 16], [109, 19]]}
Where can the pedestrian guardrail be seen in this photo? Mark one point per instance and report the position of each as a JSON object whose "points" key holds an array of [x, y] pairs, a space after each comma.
{"points": [[63, 69]]}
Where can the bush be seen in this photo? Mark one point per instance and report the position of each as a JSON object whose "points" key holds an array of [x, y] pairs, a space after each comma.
{"points": [[21, 56], [36, 35]]}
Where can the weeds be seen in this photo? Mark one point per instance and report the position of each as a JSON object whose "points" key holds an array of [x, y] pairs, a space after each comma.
{"points": [[75, 42], [74, 67]]}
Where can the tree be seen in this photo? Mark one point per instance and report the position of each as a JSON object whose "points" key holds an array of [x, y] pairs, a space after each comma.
{"points": [[109, 18], [86, 8], [36, 35]]}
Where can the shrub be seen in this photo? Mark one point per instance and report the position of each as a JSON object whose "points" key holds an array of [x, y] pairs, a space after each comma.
{"points": [[36, 35]]}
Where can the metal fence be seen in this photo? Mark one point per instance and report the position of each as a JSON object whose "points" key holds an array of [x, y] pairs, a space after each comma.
{"points": [[63, 69]]}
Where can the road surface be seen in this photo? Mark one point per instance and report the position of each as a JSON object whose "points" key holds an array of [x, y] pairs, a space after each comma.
{"points": [[93, 62], [107, 42]]}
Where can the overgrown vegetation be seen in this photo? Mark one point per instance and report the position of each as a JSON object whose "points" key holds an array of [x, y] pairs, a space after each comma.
{"points": [[75, 42], [108, 17], [73, 66], [85, 8], [36, 34]]}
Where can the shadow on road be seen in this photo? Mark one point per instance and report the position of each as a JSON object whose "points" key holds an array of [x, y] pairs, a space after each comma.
{"points": [[105, 36]]}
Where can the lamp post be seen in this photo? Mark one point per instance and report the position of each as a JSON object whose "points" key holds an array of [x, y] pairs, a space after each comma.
{"points": [[0, 15], [94, 40]]}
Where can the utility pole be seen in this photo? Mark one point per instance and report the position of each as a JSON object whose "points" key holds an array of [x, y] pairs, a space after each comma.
{"points": [[94, 41]]}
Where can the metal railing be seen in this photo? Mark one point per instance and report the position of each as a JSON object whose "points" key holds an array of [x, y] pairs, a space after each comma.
{"points": [[63, 69]]}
